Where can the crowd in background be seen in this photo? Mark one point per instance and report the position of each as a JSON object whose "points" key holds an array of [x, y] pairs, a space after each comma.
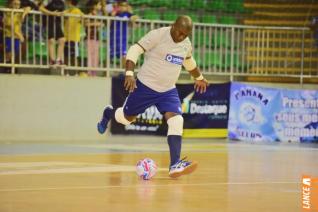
{"points": [[64, 32]]}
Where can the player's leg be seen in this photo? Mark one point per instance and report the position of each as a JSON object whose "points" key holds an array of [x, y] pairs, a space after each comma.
{"points": [[136, 103], [175, 128], [170, 102], [108, 114], [174, 135]]}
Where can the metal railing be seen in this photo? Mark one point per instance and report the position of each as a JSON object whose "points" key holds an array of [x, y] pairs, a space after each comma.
{"points": [[227, 50]]}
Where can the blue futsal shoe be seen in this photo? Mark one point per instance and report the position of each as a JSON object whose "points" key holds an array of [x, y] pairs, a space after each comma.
{"points": [[182, 167], [107, 115]]}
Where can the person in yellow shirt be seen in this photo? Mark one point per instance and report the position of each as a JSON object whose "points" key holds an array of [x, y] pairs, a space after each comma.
{"points": [[72, 32], [12, 29]]}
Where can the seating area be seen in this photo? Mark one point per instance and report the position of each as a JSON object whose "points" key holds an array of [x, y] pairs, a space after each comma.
{"points": [[216, 11], [281, 13], [208, 44], [223, 45], [3, 3], [290, 13], [211, 12]]}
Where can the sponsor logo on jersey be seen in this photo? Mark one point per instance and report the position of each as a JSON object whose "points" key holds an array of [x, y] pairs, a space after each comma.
{"points": [[174, 59]]}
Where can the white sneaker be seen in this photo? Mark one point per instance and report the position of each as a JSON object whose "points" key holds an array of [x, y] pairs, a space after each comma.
{"points": [[182, 167]]}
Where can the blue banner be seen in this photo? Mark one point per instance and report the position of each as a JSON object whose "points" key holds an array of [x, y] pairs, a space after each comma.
{"points": [[267, 114]]}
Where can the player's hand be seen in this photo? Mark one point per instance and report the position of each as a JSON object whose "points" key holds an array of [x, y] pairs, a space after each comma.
{"points": [[201, 85], [130, 83]]}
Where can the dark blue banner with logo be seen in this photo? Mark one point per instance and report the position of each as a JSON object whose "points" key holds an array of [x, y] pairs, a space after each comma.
{"points": [[205, 115]]}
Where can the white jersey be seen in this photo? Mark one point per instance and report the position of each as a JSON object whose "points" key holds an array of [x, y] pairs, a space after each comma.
{"points": [[163, 59]]}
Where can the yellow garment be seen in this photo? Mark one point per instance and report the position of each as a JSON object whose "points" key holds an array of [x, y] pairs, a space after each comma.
{"points": [[17, 24], [72, 25]]}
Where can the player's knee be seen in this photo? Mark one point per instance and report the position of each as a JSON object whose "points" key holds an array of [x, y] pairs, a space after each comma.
{"points": [[120, 116], [175, 125]]}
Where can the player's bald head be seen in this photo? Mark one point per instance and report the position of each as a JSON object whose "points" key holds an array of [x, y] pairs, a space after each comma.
{"points": [[184, 22], [181, 28]]}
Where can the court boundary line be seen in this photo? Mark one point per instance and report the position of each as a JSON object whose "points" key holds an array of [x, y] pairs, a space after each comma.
{"points": [[146, 184]]}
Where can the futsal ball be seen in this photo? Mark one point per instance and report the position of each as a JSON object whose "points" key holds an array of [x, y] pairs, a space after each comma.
{"points": [[146, 168]]}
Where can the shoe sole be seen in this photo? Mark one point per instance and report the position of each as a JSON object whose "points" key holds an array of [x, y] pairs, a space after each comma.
{"points": [[188, 170]]}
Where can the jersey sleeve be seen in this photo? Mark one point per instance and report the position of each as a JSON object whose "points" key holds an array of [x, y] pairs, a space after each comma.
{"points": [[150, 40], [189, 53]]}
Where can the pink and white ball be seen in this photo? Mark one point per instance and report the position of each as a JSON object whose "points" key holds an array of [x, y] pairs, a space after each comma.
{"points": [[146, 168]]}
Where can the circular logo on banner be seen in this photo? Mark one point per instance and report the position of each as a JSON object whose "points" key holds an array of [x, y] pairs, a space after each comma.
{"points": [[169, 57], [250, 114]]}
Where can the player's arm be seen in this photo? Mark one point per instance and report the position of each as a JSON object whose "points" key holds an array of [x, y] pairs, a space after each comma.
{"points": [[131, 60], [200, 83]]}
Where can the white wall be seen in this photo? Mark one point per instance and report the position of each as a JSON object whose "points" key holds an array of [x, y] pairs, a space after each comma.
{"points": [[37, 107], [55, 108]]}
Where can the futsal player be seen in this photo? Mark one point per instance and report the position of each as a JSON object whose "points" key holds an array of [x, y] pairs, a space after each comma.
{"points": [[166, 50]]}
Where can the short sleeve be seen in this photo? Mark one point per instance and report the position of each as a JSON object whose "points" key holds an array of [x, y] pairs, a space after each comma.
{"points": [[150, 40], [189, 53]]}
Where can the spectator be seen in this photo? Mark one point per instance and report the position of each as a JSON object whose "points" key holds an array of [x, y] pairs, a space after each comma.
{"points": [[119, 30], [92, 35], [31, 28], [54, 10], [107, 7], [72, 30], [12, 23]]}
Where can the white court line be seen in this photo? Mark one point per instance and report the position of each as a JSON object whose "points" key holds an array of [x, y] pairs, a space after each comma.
{"points": [[43, 164], [147, 184], [58, 167]]}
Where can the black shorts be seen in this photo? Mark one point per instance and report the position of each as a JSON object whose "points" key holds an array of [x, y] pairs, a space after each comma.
{"points": [[55, 29]]}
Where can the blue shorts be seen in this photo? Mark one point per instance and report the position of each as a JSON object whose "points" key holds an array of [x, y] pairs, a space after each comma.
{"points": [[143, 97], [9, 46]]}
